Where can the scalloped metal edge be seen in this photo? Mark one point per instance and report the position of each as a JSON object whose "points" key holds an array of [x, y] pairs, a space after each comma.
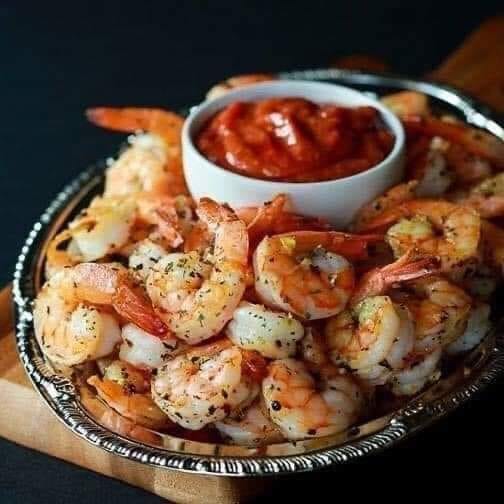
{"points": [[61, 396]]}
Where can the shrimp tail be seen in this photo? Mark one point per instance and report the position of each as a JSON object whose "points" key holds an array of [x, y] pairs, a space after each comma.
{"points": [[116, 119], [135, 308], [392, 198], [275, 218], [254, 365], [353, 247], [408, 267], [475, 141], [166, 124]]}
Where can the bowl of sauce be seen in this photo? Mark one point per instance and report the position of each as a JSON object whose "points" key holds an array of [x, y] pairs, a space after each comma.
{"points": [[329, 147]]}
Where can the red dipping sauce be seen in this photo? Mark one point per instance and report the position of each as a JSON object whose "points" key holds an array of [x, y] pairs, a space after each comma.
{"points": [[295, 140]]}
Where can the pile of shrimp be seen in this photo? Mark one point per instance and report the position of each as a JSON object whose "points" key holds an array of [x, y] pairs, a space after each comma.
{"points": [[259, 325]]}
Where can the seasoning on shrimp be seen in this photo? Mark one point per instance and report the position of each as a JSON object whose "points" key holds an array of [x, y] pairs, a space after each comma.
{"points": [[439, 308], [100, 230], [204, 385], [376, 336], [303, 408], [251, 428], [438, 228], [153, 163], [304, 273], [126, 390], [486, 197], [272, 334], [71, 320], [144, 350], [196, 295]]}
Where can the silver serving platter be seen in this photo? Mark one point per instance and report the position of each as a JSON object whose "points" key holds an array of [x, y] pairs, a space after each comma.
{"points": [[72, 403]]}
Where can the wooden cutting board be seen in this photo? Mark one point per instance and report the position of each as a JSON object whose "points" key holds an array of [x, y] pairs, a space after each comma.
{"points": [[475, 67]]}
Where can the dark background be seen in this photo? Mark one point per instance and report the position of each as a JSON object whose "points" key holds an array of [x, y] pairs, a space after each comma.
{"points": [[58, 59]]}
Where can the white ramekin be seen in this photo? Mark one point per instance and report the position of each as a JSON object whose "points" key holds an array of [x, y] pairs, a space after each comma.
{"points": [[335, 200]]}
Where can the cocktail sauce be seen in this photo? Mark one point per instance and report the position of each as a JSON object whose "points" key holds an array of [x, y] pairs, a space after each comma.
{"points": [[295, 140]]}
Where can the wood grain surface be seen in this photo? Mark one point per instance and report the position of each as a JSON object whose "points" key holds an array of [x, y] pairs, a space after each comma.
{"points": [[475, 67]]}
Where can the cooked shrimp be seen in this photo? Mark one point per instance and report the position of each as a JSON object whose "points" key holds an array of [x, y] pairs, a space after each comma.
{"points": [[440, 311], [422, 370], [302, 272], [115, 422], [204, 385], [101, 229], [363, 337], [478, 327], [238, 81], [146, 167], [302, 408], [167, 219], [312, 349], [153, 163], [115, 224], [69, 330], [61, 253], [163, 123], [428, 320], [252, 428], [377, 335], [144, 350], [72, 314], [408, 267], [196, 296], [419, 223], [272, 334], [431, 170], [487, 197], [274, 217], [144, 256], [126, 390], [397, 357], [475, 141], [438, 308], [407, 103], [467, 167], [381, 349], [434, 314], [393, 197]]}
